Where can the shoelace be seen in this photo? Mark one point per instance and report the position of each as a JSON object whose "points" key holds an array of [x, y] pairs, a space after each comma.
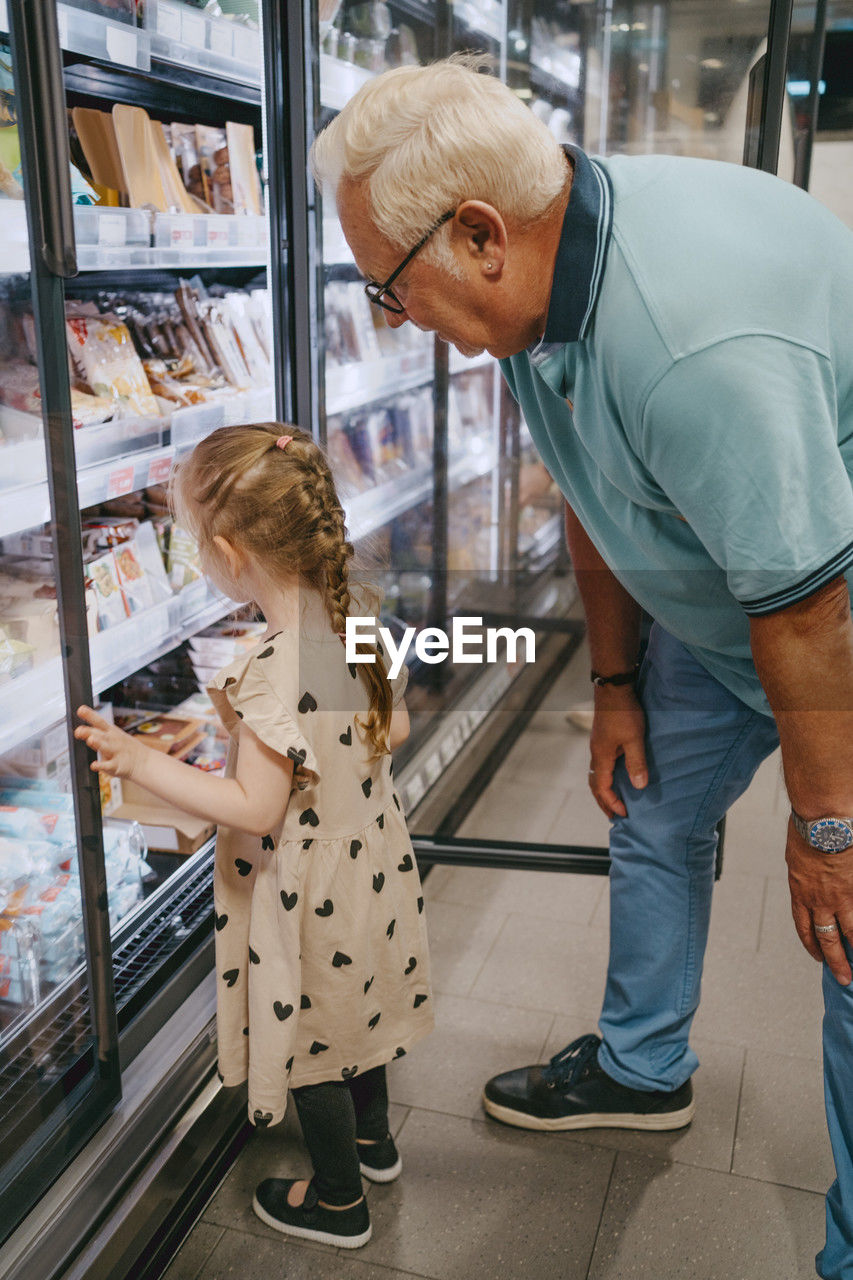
{"points": [[570, 1065]]}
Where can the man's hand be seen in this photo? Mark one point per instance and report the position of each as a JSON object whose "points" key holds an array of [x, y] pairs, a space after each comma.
{"points": [[821, 893], [119, 752], [618, 729]]}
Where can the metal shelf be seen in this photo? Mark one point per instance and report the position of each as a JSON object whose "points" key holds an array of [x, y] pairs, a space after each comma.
{"points": [[120, 239], [99, 37], [350, 386], [34, 701], [367, 512], [188, 38], [339, 81]]}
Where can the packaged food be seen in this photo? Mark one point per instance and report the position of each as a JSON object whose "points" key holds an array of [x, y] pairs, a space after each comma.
{"points": [[103, 576], [172, 734], [103, 353], [16, 656], [185, 151], [132, 578], [19, 388], [212, 146], [245, 183], [183, 563]]}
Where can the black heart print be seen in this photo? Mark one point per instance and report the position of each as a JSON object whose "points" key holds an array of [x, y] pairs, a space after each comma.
{"points": [[296, 754], [275, 635], [282, 1011], [242, 866], [354, 847], [420, 906], [378, 881], [346, 738], [221, 922], [289, 900], [317, 1047], [268, 843], [367, 786], [229, 680], [411, 965], [348, 1072], [391, 769], [308, 818], [396, 801], [267, 653], [406, 864], [306, 844], [351, 667], [230, 976], [307, 703], [340, 958], [304, 1002], [401, 1053], [368, 984], [326, 909], [390, 929], [254, 958], [380, 821], [418, 1001], [288, 1064], [371, 1022], [262, 1119], [245, 1031], [238, 714]]}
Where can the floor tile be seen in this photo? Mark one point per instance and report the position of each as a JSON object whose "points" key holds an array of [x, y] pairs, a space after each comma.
{"points": [[778, 937], [241, 1257], [471, 1042], [460, 939], [511, 812], [781, 1134], [550, 895], [708, 1140], [579, 820], [543, 964], [671, 1222], [189, 1262], [483, 1201], [736, 911], [270, 1153]]}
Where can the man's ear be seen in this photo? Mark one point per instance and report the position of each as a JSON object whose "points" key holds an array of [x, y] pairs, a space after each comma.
{"points": [[232, 555], [485, 235]]}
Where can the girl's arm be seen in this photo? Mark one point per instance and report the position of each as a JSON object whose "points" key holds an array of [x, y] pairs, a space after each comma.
{"points": [[254, 801], [399, 728]]}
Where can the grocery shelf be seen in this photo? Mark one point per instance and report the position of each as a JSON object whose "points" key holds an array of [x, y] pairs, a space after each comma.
{"points": [[116, 239], [34, 701], [103, 38], [14, 240], [339, 80], [349, 386], [215, 45], [481, 17], [336, 251], [461, 364]]}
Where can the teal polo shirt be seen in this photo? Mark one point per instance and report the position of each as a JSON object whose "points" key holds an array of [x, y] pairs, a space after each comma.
{"points": [[692, 394]]}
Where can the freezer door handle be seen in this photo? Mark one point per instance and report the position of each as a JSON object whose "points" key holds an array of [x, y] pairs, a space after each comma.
{"points": [[35, 35]]}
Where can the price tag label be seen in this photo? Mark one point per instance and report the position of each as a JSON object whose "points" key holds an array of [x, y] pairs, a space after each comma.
{"points": [[222, 38], [158, 471], [247, 232], [247, 46], [121, 45], [168, 20], [218, 236], [120, 482], [181, 233], [194, 29], [112, 229]]}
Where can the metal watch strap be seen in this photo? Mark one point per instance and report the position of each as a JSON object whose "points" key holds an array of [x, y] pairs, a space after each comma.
{"points": [[804, 828]]}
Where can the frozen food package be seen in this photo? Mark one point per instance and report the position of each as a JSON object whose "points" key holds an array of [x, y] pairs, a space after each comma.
{"points": [[212, 143], [183, 563], [19, 388], [16, 656], [222, 340], [349, 476], [103, 575], [103, 354], [132, 578], [253, 353], [185, 151], [149, 556], [245, 183]]}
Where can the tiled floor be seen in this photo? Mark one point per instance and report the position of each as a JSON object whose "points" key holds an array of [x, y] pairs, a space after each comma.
{"points": [[519, 961]]}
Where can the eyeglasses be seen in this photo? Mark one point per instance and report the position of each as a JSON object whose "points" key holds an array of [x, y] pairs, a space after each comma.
{"points": [[375, 291]]}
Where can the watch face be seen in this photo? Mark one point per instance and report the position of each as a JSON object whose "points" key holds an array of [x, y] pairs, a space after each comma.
{"points": [[831, 835]]}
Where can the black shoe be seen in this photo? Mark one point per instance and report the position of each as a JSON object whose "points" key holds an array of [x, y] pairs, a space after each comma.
{"points": [[573, 1092], [346, 1228], [380, 1161]]}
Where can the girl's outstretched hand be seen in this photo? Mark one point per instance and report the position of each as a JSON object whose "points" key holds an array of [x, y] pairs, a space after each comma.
{"points": [[118, 751]]}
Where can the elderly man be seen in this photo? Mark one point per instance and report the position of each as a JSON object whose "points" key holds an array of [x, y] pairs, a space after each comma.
{"points": [[677, 333]]}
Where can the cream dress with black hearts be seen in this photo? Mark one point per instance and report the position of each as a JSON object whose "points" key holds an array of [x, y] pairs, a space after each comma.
{"points": [[322, 963]]}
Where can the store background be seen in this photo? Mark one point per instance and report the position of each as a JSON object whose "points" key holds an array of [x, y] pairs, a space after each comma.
{"points": [[107, 1063]]}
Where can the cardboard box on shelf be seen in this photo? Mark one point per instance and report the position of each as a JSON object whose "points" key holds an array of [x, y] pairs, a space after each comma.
{"points": [[166, 829]]}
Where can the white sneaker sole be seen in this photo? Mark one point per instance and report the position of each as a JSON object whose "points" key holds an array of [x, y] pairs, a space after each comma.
{"points": [[656, 1122], [305, 1233], [382, 1175]]}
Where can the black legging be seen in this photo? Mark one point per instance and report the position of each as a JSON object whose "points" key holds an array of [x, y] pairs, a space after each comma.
{"points": [[333, 1115]]}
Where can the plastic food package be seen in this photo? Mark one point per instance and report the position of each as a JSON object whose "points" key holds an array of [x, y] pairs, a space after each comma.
{"points": [[183, 563], [212, 144], [19, 388], [103, 576], [103, 354], [16, 656]]}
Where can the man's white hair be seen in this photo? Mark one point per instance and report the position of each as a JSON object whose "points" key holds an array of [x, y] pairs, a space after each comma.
{"points": [[426, 138]]}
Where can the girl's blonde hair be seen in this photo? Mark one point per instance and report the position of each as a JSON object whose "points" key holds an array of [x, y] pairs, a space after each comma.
{"points": [[280, 507], [426, 138]]}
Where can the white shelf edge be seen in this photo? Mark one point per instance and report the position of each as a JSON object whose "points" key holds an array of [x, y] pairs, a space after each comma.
{"points": [[339, 81], [349, 386]]}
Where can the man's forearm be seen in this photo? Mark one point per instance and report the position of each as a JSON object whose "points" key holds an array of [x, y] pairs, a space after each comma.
{"points": [[612, 615], [804, 659]]}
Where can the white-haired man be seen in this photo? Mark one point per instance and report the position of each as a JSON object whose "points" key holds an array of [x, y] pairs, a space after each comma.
{"points": [[677, 333]]}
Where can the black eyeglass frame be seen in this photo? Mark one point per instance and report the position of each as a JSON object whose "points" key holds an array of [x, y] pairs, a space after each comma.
{"points": [[375, 291]]}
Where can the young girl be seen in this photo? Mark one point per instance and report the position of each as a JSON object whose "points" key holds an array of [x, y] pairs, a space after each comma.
{"points": [[321, 950]]}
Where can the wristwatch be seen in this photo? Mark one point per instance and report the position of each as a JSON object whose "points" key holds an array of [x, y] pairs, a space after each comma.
{"points": [[829, 835]]}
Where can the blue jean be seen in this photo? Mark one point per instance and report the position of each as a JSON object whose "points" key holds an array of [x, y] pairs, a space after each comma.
{"points": [[703, 747]]}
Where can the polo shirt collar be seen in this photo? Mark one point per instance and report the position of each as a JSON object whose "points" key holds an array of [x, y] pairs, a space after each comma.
{"points": [[581, 255]]}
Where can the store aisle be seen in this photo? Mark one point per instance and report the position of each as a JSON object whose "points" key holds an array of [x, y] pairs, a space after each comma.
{"points": [[519, 965]]}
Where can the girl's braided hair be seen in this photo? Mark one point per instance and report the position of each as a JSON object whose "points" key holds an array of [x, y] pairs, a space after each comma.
{"points": [[281, 508]]}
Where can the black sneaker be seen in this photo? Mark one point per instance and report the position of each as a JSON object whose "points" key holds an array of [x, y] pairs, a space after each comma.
{"points": [[346, 1228], [380, 1161], [573, 1092]]}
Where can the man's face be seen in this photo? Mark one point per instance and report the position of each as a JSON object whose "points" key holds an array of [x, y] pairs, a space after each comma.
{"points": [[460, 311]]}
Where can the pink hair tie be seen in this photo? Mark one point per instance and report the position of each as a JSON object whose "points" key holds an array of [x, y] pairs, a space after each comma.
{"points": [[283, 441]]}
